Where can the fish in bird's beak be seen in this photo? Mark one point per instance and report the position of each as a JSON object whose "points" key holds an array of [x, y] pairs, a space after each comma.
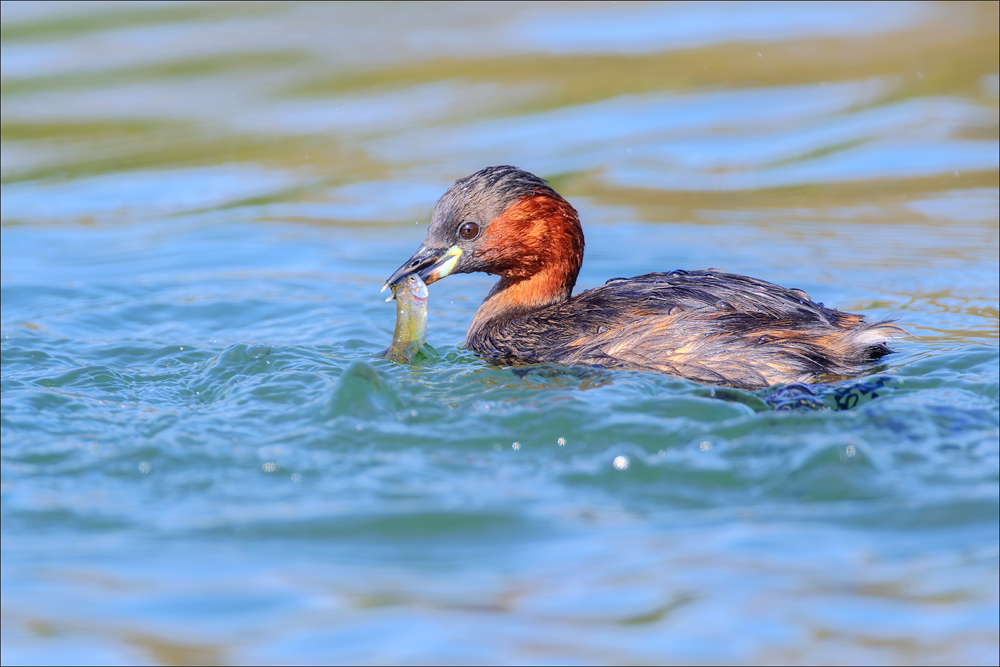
{"points": [[431, 264]]}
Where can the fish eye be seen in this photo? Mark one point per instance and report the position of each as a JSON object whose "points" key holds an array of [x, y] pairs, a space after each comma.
{"points": [[468, 231]]}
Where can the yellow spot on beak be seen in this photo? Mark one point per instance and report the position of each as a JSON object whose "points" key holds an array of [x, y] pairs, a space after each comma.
{"points": [[445, 265]]}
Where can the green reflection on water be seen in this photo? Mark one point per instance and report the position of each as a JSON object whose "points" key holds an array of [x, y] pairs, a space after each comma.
{"points": [[201, 454]]}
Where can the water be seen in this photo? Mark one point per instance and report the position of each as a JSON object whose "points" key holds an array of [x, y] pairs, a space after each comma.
{"points": [[203, 461]]}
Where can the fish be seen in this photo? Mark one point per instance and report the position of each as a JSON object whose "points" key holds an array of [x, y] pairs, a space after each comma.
{"points": [[410, 335]]}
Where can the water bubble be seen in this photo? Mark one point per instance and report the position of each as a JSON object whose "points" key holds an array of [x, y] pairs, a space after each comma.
{"points": [[516, 446], [270, 466], [620, 462], [413, 413], [759, 56], [94, 447], [144, 467], [851, 450], [705, 446], [360, 427], [661, 453], [296, 478], [561, 442]]}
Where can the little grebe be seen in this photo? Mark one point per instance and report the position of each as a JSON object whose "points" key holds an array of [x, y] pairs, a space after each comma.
{"points": [[708, 326]]}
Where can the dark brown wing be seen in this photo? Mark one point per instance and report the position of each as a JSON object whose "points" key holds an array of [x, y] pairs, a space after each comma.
{"points": [[709, 326]]}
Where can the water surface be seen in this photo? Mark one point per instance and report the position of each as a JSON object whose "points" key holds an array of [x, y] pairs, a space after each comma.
{"points": [[204, 462]]}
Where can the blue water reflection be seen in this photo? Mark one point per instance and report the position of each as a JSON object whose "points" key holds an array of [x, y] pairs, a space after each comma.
{"points": [[682, 26], [203, 461]]}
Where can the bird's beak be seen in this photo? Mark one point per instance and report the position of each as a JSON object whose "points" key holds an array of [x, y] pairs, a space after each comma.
{"points": [[431, 264]]}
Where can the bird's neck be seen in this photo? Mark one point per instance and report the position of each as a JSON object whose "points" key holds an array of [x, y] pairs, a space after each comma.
{"points": [[541, 268]]}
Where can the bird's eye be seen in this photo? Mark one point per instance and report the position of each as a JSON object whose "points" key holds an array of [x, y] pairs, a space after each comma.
{"points": [[468, 231]]}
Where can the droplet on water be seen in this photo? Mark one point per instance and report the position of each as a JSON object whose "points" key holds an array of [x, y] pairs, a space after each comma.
{"points": [[296, 478], [516, 446], [144, 467], [851, 450], [705, 446], [270, 466], [561, 442], [620, 462]]}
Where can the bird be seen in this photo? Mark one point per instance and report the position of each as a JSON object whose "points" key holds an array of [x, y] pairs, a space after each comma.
{"points": [[708, 326]]}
